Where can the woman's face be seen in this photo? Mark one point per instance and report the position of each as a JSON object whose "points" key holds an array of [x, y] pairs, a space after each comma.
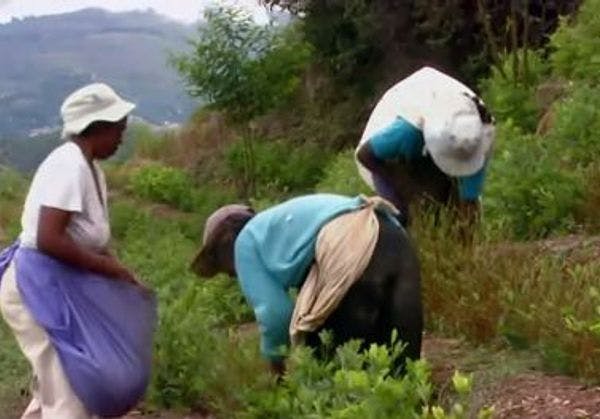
{"points": [[109, 138]]}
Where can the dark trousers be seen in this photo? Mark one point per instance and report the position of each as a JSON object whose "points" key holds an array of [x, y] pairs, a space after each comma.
{"points": [[386, 297]]}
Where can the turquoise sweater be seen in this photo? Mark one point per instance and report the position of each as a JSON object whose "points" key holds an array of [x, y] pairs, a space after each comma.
{"points": [[274, 252]]}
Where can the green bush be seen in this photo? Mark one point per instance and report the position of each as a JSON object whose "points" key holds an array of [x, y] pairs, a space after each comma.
{"points": [[341, 176], [13, 185], [354, 384], [279, 166], [164, 184], [574, 134], [15, 372], [13, 189], [528, 194], [577, 45], [240, 67], [512, 96]]}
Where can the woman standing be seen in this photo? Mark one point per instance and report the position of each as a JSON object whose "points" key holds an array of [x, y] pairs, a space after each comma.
{"points": [[81, 318]]}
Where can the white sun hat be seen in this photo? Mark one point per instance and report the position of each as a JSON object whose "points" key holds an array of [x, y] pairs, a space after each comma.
{"points": [[94, 102], [455, 137]]}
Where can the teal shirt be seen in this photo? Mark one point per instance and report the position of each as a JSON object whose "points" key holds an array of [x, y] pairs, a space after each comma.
{"points": [[402, 139], [274, 252]]}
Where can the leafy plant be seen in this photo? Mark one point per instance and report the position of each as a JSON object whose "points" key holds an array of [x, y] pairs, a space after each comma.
{"points": [[577, 45], [341, 176], [528, 194], [280, 167], [511, 96], [13, 187], [573, 137], [241, 67], [164, 184]]}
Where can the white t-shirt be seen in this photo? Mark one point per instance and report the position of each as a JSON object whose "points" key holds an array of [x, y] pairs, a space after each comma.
{"points": [[65, 181]]}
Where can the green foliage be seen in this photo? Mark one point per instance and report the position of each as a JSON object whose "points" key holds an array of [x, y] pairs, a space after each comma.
{"points": [[577, 46], [13, 187], [354, 384], [343, 34], [540, 300], [15, 368], [587, 213], [279, 166], [164, 184], [513, 97], [341, 176], [528, 194], [574, 135], [240, 67]]}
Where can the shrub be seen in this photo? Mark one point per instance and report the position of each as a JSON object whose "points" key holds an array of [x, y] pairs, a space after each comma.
{"points": [[514, 98], [279, 166], [353, 384], [574, 134], [588, 210], [528, 194], [13, 188], [341, 176], [164, 184], [577, 45]]}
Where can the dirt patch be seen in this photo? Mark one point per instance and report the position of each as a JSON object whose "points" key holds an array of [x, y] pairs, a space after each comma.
{"points": [[508, 380], [535, 395]]}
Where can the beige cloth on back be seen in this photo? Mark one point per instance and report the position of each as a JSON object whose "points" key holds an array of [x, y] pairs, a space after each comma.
{"points": [[343, 250]]}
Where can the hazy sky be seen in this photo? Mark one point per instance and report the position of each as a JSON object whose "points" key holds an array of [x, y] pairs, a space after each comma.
{"points": [[183, 10]]}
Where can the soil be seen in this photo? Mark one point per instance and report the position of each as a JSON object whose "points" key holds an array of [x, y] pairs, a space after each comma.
{"points": [[510, 382]]}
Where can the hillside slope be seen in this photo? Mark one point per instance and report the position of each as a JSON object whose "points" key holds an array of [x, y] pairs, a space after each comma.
{"points": [[59, 53]]}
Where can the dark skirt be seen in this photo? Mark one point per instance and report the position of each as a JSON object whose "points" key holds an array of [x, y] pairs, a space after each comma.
{"points": [[386, 297]]}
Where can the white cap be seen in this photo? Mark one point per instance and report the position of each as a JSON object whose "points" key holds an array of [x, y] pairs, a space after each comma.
{"points": [[94, 102], [456, 138]]}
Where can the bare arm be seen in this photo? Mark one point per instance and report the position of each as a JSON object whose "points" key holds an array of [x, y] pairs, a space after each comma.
{"points": [[53, 239]]}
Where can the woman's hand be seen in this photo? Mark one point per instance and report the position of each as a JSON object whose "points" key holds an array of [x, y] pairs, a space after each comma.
{"points": [[115, 269]]}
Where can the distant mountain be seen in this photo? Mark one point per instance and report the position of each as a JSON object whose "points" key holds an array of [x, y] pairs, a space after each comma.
{"points": [[25, 153], [45, 58]]}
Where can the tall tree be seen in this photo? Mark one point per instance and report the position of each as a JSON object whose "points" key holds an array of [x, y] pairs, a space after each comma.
{"points": [[243, 69]]}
